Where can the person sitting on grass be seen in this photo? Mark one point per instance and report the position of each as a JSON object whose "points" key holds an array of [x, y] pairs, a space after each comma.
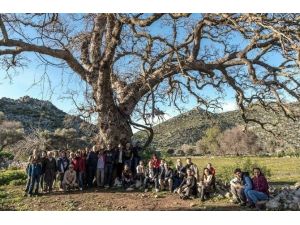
{"points": [[239, 185], [260, 191], [213, 173], [127, 178], [188, 187], [205, 185], [190, 165], [34, 172], [167, 179], [69, 181], [150, 177]]}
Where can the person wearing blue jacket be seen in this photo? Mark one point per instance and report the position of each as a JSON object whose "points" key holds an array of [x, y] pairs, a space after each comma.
{"points": [[62, 166], [247, 185], [34, 172]]}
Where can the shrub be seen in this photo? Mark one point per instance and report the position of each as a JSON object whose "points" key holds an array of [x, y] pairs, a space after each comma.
{"points": [[17, 182], [6, 155], [9, 175], [236, 141], [246, 166]]}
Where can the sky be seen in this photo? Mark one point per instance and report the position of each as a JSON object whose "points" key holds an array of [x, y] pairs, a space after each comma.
{"points": [[54, 86], [63, 82]]}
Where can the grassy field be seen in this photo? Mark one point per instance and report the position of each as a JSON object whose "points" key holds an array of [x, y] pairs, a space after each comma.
{"points": [[283, 170]]}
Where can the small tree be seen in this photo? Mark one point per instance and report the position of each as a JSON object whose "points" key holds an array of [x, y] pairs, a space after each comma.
{"points": [[209, 142], [188, 149], [238, 142], [10, 132]]}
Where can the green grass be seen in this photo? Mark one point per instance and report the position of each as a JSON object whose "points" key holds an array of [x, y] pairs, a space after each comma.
{"points": [[283, 170], [7, 176]]}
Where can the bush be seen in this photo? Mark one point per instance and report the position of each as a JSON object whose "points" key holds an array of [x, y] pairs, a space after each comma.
{"points": [[246, 166], [6, 155], [10, 175], [17, 182]]}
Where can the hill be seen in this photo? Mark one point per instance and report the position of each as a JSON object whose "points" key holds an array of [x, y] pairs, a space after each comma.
{"points": [[189, 127], [46, 126]]}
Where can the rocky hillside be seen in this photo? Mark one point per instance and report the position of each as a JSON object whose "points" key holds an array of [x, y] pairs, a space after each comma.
{"points": [[189, 127], [36, 114]]}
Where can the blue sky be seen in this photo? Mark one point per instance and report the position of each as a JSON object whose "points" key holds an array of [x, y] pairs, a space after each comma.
{"points": [[65, 81]]}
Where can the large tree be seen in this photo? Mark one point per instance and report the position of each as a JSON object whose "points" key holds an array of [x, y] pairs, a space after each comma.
{"points": [[135, 62]]}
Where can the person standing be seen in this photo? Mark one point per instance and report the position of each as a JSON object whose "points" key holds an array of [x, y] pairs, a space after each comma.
{"points": [[120, 161], [109, 155], [34, 172], [43, 161], [62, 166], [50, 172], [92, 161], [128, 155], [136, 157], [100, 169]]}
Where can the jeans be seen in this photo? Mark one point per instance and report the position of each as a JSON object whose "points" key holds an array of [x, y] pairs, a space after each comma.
{"points": [[100, 177], [255, 196], [28, 183], [128, 162], [79, 175], [108, 172], [35, 180]]}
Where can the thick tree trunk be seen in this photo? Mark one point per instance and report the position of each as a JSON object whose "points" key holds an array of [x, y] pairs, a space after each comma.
{"points": [[114, 128]]}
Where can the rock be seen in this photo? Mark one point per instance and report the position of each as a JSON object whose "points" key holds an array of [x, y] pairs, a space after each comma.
{"points": [[297, 185], [155, 196], [297, 193], [129, 189], [193, 204], [273, 205], [138, 184], [228, 195], [293, 206]]}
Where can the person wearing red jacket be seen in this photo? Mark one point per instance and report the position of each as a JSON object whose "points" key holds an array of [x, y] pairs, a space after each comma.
{"points": [[260, 191], [79, 166]]}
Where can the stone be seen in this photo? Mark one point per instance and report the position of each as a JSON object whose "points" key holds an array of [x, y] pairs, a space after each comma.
{"points": [[273, 205], [193, 204], [228, 195], [129, 189], [297, 193]]}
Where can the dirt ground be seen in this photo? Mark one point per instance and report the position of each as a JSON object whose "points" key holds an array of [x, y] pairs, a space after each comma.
{"points": [[100, 199]]}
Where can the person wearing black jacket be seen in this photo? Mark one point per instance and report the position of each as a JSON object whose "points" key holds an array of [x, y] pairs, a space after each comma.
{"points": [[188, 186], [166, 177], [120, 158], [43, 161], [135, 157], [50, 172], [91, 162], [110, 158]]}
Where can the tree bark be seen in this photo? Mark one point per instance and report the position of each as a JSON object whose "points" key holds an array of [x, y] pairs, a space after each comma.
{"points": [[114, 126]]}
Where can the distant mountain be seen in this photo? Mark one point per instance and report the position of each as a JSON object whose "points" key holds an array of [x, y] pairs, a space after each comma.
{"points": [[189, 127], [42, 115]]}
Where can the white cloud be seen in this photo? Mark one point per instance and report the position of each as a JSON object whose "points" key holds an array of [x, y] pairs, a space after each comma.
{"points": [[229, 106]]}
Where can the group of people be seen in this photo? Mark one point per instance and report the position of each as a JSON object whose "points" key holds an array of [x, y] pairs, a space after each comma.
{"points": [[124, 167], [249, 191], [80, 169]]}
